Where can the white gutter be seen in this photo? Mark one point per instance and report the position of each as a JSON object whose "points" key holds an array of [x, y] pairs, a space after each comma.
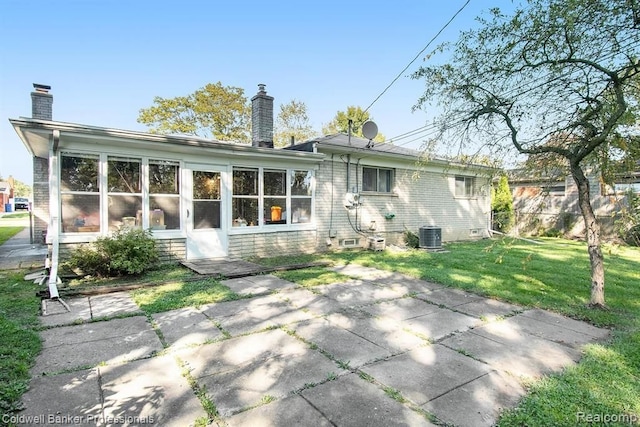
{"points": [[52, 231]]}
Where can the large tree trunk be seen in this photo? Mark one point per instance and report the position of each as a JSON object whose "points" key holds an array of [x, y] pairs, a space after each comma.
{"points": [[592, 229]]}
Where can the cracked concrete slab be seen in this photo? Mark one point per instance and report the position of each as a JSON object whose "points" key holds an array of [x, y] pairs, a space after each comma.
{"points": [[477, 403], [186, 326], [440, 323], [340, 343], [353, 401], [111, 305], [426, 373], [57, 314], [81, 404], [151, 391], [81, 346], [290, 411]]}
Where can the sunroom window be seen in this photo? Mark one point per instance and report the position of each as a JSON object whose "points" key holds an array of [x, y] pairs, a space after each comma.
{"points": [[275, 197], [164, 195], [244, 203], [301, 196], [80, 193], [124, 178]]}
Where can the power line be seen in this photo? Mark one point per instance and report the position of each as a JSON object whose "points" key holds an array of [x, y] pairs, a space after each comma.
{"points": [[418, 55]]}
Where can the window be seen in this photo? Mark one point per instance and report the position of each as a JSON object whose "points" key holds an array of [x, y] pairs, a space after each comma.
{"points": [[377, 179], [301, 195], [124, 192], [244, 203], [80, 193], [164, 195], [283, 196], [275, 197], [206, 200], [465, 186]]}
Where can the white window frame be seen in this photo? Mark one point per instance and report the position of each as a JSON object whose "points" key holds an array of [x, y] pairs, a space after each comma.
{"points": [[392, 173]]}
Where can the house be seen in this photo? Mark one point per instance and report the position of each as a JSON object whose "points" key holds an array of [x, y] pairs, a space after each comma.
{"points": [[6, 193], [204, 198], [544, 203]]}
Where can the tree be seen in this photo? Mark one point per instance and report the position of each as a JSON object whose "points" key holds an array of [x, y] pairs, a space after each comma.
{"points": [[340, 123], [214, 111], [555, 70], [502, 205], [292, 120]]}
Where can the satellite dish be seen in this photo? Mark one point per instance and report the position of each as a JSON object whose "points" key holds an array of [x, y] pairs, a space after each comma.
{"points": [[369, 129]]}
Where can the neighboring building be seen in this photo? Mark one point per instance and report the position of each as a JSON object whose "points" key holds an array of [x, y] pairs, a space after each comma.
{"points": [[205, 198], [6, 193], [544, 203]]}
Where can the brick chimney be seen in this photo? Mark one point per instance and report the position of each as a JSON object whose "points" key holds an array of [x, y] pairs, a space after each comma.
{"points": [[262, 119], [41, 102]]}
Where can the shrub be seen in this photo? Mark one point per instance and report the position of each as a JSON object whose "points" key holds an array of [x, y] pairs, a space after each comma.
{"points": [[628, 223], [126, 252], [411, 239], [502, 205]]}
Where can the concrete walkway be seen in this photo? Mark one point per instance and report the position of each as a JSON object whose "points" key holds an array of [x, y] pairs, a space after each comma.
{"points": [[379, 350]]}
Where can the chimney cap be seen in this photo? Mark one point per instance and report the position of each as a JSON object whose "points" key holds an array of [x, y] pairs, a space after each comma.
{"points": [[41, 88], [261, 87]]}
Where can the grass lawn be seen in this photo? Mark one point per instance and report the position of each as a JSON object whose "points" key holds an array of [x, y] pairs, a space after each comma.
{"points": [[553, 276], [19, 339]]}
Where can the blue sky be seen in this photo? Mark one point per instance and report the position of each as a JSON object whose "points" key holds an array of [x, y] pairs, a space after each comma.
{"points": [[105, 60]]}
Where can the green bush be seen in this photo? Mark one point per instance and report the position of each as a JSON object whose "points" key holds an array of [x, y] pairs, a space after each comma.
{"points": [[126, 252], [411, 239], [628, 223], [502, 205]]}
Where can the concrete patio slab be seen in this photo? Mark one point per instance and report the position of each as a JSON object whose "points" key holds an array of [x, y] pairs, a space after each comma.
{"points": [[277, 377], [440, 323], [81, 346], [81, 404], [57, 314], [290, 411], [256, 285], [425, 373], [261, 316], [448, 297], [479, 402], [407, 285], [511, 350], [358, 292], [567, 323], [340, 343], [488, 309], [306, 300], [234, 353], [352, 401], [556, 331], [401, 309], [384, 332], [114, 304], [186, 326], [149, 391]]}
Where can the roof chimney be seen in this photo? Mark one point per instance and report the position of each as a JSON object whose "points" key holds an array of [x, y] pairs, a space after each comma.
{"points": [[262, 119], [41, 102]]}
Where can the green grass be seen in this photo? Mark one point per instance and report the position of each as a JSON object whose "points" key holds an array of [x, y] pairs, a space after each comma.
{"points": [[181, 294], [313, 276], [7, 232], [553, 276], [19, 340]]}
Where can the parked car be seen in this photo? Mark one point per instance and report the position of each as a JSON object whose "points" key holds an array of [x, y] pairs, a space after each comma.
{"points": [[21, 203]]}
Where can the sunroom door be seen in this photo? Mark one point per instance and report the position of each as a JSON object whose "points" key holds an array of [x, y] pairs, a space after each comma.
{"points": [[206, 219]]}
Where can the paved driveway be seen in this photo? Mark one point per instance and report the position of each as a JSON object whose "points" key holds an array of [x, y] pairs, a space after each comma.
{"points": [[379, 350]]}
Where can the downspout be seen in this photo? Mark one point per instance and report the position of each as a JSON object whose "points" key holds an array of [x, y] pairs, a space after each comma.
{"points": [[52, 232]]}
